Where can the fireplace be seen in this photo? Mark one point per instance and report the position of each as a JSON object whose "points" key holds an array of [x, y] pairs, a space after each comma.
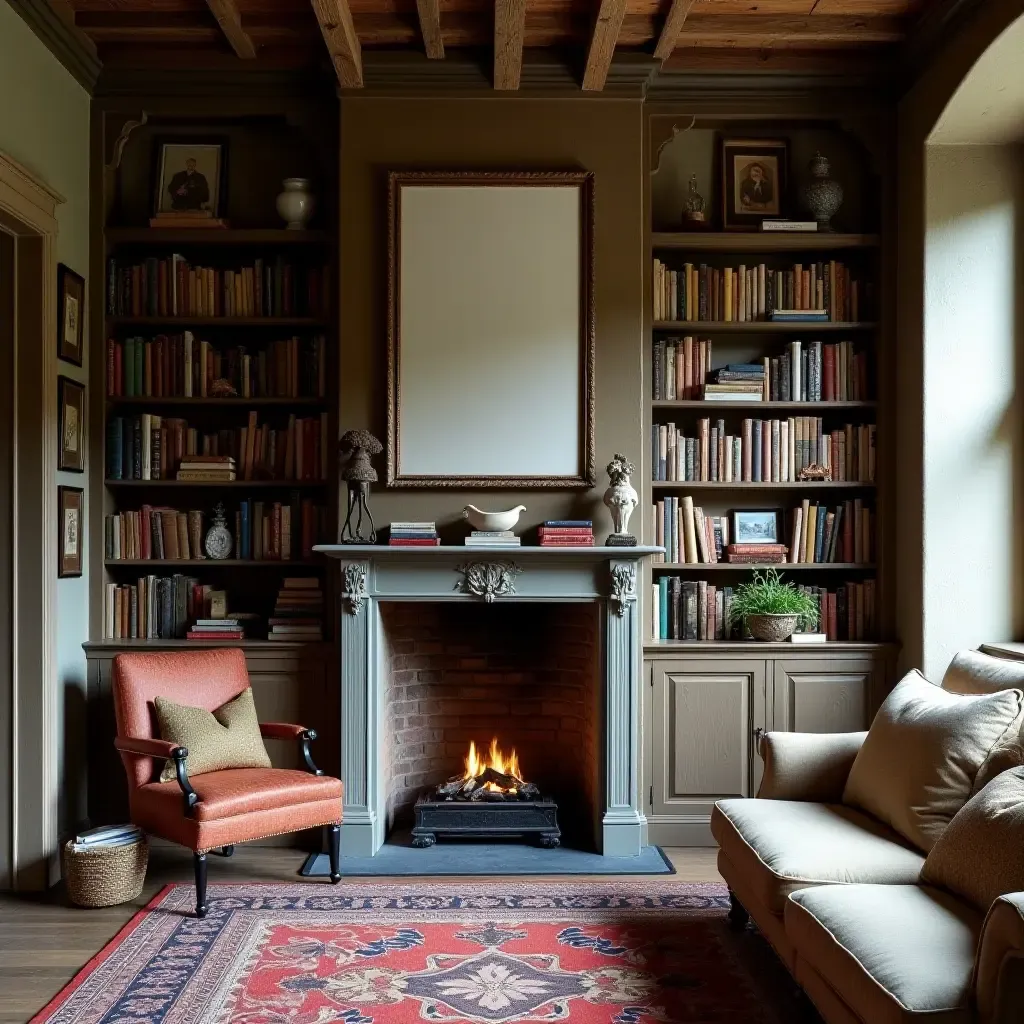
{"points": [[539, 650]]}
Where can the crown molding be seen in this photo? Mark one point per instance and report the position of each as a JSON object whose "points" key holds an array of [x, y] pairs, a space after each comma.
{"points": [[235, 80], [72, 48]]}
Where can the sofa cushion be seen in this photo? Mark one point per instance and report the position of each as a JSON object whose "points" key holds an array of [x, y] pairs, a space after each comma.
{"points": [[917, 766], [980, 856], [893, 953], [783, 845]]}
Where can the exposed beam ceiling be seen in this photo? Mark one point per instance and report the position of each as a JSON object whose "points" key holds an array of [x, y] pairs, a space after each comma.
{"points": [[230, 21], [605, 35], [672, 27], [429, 12], [509, 35], [343, 44]]}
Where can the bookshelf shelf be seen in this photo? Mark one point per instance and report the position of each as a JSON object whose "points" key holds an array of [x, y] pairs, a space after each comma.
{"points": [[758, 647], [215, 563], [215, 321], [245, 645], [760, 566], [697, 327], [762, 241], [214, 236], [797, 407], [229, 403], [245, 484], [749, 485]]}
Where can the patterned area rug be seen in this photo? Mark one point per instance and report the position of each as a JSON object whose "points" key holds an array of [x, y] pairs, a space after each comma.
{"points": [[591, 953]]}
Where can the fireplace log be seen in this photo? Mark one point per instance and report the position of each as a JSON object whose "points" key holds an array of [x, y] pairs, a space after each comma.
{"points": [[460, 788]]}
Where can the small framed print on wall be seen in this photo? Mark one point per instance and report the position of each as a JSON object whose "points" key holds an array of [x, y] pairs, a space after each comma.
{"points": [[71, 532], [71, 407], [70, 314], [755, 526], [754, 182]]}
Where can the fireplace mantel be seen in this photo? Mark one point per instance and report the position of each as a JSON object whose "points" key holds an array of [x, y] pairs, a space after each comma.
{"points": [[371, 574]]}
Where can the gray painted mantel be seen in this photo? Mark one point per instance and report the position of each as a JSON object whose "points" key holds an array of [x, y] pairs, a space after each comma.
{"points": [[371, 574]]}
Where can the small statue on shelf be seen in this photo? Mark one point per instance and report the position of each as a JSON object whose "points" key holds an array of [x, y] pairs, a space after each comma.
{"points": [[693, 208], [815, 471], [357, 446], [621, 498], [222, 388], [218, 542]]}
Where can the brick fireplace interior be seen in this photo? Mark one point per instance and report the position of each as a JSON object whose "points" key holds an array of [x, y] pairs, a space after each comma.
{"points": [[526, 673]]}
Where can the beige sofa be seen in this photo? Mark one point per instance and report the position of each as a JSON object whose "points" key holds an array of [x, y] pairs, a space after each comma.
{"points": [[837, 893]]}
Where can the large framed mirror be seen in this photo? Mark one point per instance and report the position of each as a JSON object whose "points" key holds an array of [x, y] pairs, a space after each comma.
{"points": [[491, 329]]}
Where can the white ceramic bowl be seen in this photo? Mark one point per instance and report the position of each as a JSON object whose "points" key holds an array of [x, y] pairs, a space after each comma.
{"points": [[481, 520]]}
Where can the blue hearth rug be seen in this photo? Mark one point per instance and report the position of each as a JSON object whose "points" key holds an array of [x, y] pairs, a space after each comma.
{"points": [[397, 858]]}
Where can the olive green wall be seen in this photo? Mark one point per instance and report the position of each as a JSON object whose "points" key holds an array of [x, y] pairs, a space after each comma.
{"points": [[603, 136]]}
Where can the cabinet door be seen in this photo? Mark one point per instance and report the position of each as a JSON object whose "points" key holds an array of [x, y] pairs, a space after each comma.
{"points": [[704, 716], [818, 694]]}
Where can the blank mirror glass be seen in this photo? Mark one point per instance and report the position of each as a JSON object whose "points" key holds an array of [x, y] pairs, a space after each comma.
{"points": [[491, 343]]}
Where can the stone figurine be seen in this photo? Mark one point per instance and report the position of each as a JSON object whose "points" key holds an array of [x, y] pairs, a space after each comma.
{"points": [[621, 498], [356, 448]]}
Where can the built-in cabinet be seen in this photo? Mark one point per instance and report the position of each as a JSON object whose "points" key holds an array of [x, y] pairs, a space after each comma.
{"points": [[708, 707]]}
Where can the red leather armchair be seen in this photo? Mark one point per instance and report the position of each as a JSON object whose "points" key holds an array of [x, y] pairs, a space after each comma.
{"points": [[214, 810]]}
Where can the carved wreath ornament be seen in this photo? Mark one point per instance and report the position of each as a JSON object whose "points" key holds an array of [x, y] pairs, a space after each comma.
{"points": [[623, 586], [353, 588], [488, 579]]}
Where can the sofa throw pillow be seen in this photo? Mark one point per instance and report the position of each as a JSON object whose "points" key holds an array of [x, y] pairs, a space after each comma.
{"points": [[226, 738], [917, 766], [980, 856]]}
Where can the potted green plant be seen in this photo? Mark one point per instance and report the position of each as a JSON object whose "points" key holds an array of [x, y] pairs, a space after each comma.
{"points": [[771, 609]]}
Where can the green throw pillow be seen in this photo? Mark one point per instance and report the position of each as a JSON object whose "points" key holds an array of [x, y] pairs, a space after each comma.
{"points": [[226, 738]]}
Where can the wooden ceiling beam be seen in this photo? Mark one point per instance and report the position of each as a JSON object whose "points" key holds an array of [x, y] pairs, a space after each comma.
{"points": [[602, 44], [509, 33], [339, 34], [811, 30], [429, 12], [672, 27], [230, 21]]}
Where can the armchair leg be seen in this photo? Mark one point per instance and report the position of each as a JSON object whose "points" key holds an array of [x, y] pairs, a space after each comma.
{"points": [[334, 851], [199, 860], [738, 916], [225, 851]]}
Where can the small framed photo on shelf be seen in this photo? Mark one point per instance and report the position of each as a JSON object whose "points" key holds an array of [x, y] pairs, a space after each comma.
{"points": [[71, 533], [71, 409], [754, 181], [189, 181], [70, 314], [755, 526]]}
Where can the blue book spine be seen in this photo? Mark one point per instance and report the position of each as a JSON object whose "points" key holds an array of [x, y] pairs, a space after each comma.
{"points": [[115, 449], [663, 608], [819, 534], [578, 523]]}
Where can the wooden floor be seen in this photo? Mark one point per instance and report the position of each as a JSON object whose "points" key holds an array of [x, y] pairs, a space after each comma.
{"points": [[44, 941]]}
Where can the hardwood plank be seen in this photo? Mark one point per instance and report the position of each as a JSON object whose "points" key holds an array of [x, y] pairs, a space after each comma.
{"points": [[343, 45], [602, 43], [740, 29], [509, 32], [230, 21], [672, 27], [429, 12]]}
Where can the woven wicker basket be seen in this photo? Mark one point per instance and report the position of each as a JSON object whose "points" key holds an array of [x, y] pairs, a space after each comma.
{"points": [[105, 875], [772, 628]]}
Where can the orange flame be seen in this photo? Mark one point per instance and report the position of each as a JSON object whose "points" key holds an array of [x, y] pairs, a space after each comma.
{"points": [[507, 764]]}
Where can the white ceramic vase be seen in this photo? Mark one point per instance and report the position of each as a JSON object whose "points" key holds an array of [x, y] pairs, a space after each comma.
{"points": [[296, 203], [621, 498]]}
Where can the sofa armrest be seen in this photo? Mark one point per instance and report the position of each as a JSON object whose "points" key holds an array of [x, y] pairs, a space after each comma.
{"points": [[999, 969], [807, 765]]}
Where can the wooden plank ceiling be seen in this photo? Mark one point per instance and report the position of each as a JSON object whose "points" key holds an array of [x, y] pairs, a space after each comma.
{"points": [[698, 34]]}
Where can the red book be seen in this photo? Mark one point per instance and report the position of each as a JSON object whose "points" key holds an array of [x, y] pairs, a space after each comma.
{"points": [[565, 534], [111, 368], [224, 634], [569, 542], [828, 360], [427, 542]]}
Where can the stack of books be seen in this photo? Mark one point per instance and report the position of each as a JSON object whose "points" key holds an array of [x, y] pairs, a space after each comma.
{"points": [[781, 224], [756, 554], [206, 467], [107, 835], [491, 539], [413, 535], [799, 316], [216, 629], [567, 533], [298, 613], [736, 382]]}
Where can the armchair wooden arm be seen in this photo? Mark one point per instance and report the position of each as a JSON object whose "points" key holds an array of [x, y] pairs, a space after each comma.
{"points": [[146, 747], [287, 731]]}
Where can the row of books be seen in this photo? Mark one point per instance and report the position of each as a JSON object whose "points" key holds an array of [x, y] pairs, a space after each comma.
{"points": [[810, 371], [263, 531], [298, 611], [700, 292], [151, 447], [697, 610], [566, 533], [179, 366], [413, 535], [157, 607], [763, 451], [175, 287], [817, 533]]}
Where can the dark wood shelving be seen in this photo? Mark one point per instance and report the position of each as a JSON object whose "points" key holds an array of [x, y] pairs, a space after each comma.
{"points": [[216, 321], [282, 484], [214, 236], [781, 566], [760, 326], [214, 563], [797, 407], [233, 402], [746, 485], [762, 241]]}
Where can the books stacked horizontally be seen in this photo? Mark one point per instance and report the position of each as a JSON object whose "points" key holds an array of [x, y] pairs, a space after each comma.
{"points": [[491, 539], [298, 613], [781, 224], [756, 554], [206, 467], [567, 533], [413, 535], [106, 836], [736, 382], [216, 629], [799, 316]]}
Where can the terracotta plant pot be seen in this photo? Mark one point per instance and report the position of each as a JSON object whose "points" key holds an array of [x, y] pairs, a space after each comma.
{"points": [[772, 628]]}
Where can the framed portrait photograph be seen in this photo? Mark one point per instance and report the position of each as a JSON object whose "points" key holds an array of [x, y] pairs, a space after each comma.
{"points": [[70, 532], [71, 408], [70, 314], [754, 181], [755, 526], [190, 177]]}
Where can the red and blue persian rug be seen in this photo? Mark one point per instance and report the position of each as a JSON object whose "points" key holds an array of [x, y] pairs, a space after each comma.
{"points": [[619, 952]]}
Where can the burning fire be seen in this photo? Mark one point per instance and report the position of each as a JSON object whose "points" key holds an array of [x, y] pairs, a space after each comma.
{"points": [[497, 760]]}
